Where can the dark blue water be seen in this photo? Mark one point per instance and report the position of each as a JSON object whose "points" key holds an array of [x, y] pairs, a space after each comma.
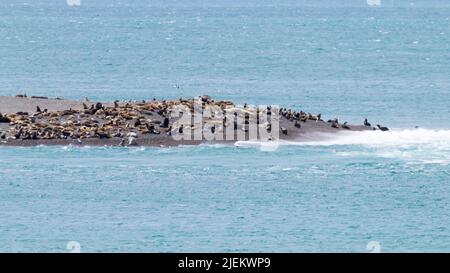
{"points": [[388, 63]]}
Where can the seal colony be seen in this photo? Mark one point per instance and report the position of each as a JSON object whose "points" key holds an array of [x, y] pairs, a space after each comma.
{"points": [[30, 121]]}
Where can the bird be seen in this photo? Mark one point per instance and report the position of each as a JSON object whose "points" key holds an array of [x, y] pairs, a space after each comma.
{"points": [[345, 126], [334, 124], [384, 129], [366, 123], [335, 120], [165, 123]]}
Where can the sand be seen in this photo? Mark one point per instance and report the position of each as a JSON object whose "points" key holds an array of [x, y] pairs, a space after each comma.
{"points": [[309, 131]]}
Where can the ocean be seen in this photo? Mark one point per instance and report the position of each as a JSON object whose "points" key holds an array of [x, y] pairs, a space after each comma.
{"points": [[388, 63]]}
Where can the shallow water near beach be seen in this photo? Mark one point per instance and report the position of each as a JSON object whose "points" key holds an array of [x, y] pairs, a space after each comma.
{"points": [[389, 64]]}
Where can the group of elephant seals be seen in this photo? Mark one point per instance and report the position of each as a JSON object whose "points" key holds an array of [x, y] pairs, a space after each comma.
{"points": [[135, 122]]}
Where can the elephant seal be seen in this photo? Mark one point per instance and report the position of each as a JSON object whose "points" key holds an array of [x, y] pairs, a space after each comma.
{"points": [[4, 119]]}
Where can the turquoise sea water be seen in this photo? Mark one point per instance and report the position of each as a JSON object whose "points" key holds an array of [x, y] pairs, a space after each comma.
{"points": [[387, 63]]}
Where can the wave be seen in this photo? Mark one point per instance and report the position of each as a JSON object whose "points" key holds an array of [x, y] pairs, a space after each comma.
{"points": [[398, 137], [377, 138], [425, 146]]}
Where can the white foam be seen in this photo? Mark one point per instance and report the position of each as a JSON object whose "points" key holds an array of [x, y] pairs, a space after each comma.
{"points": [[399, 138], [425, 146]]}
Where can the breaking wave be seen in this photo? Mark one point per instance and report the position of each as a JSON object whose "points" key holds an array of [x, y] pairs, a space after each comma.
{"points": [[438, 138], [417, 145]]}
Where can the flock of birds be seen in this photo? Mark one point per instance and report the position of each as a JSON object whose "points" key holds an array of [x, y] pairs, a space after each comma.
{"points": [[297, 117]]}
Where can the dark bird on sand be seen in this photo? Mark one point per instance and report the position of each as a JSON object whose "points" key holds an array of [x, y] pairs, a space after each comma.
{"points": [[382, 128], [284, 130], [165, 123], [366, 123], [297, 124], [335, 120], [98, 106], [38, 109], [334, 124], [345, 126]]}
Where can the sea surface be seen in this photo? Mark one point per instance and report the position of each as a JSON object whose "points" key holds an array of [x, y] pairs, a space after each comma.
{"points": [[348, 193]]}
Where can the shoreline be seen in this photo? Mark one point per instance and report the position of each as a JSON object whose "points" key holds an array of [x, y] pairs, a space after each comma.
{"points": [[33, 121]]}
